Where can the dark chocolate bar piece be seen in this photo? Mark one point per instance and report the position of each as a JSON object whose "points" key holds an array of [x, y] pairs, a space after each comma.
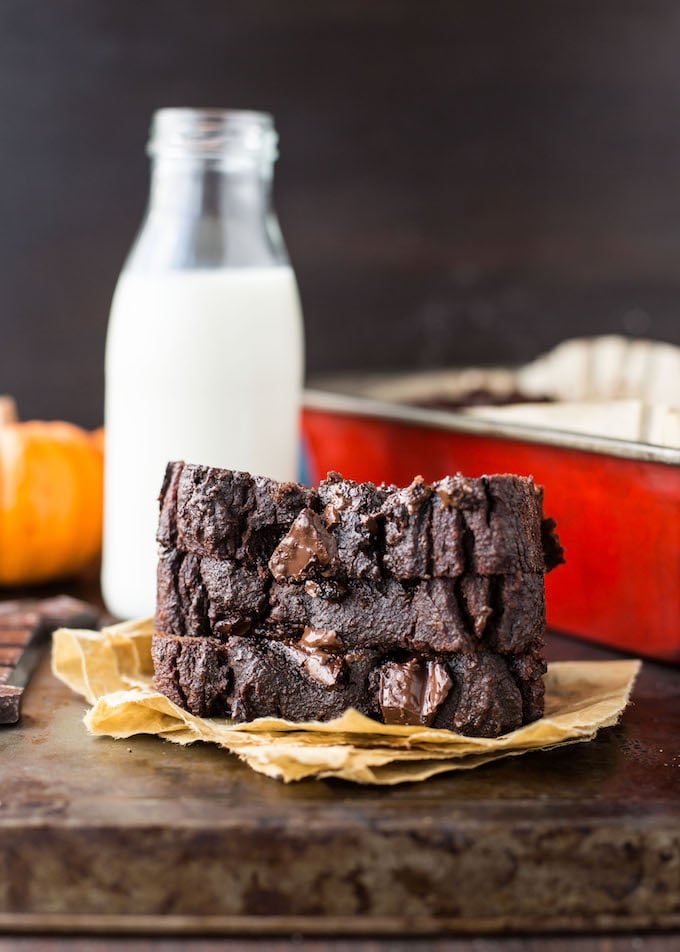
{"points": [[24, 629]]}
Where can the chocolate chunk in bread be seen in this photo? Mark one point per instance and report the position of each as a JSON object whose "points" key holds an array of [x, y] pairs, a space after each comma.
{"points": [[411, 692], [307, 549]]}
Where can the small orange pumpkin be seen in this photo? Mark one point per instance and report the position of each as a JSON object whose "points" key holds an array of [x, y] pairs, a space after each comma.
{"points": [[51, 500]]}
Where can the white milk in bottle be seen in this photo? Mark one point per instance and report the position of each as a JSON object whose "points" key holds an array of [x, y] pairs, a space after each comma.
{"points": [[204, 354]]}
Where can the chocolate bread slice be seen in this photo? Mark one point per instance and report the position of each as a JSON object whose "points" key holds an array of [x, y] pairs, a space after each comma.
{"points": [[245, 678], [487, 526], [277, 599], [204, 596], [311, 680]]}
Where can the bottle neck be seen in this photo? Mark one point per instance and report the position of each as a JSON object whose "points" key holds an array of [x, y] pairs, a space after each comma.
{"points": [[208, 213], [197, 189]]}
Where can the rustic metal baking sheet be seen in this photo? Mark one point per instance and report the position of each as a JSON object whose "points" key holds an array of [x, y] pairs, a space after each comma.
{"points": [[99, 835]]}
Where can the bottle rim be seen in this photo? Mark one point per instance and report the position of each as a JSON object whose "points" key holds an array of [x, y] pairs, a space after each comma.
{"points": [[213, 133]]}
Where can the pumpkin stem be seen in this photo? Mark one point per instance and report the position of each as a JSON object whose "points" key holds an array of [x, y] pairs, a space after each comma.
{"points": [[8, 410]]}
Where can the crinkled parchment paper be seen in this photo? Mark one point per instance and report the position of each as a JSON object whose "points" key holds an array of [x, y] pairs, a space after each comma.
{"points": [[113, 670]]}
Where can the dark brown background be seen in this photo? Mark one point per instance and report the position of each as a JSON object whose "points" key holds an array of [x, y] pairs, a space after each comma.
{"points": [[459, 182]]}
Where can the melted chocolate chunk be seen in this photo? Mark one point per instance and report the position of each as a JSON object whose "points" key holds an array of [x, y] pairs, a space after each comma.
{"points": [[411, 693], [437, 686], [320, 638], [323, 667], [319, 662], [307, 545]]}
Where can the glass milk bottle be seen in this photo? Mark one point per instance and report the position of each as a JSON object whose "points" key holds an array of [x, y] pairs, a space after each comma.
{"points": [[204, 353]]}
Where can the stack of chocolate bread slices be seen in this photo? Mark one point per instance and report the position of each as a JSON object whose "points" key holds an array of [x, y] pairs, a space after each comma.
{"points": [[422, 605]]}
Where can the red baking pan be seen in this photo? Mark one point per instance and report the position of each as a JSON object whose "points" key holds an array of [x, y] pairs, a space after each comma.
{"points": [[617, 504]]}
